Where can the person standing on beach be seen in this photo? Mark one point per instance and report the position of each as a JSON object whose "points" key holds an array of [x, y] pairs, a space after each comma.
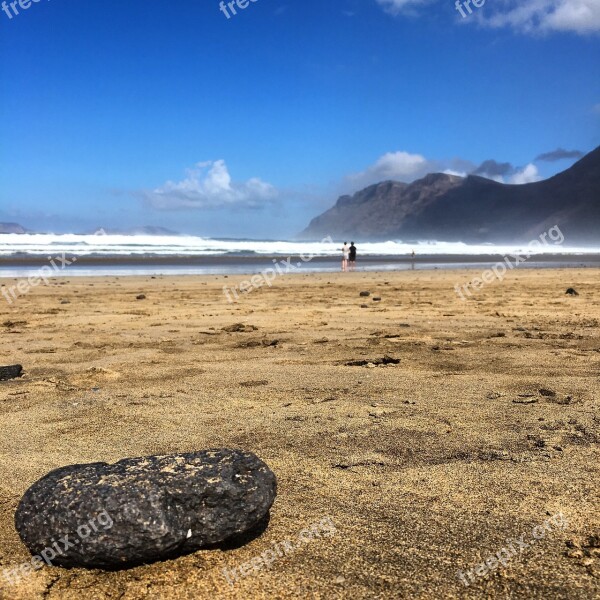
{"points": [[345, 256], [352, 256]]}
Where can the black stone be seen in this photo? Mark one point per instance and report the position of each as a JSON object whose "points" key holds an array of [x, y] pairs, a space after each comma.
{"points": [[240, 327], [140, 297], [572, 292], [160, 507], [11, 372], [386, 360], [365, 294]]}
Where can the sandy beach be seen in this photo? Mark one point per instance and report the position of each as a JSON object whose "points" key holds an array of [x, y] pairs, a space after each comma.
{"points": [[487, 428]]}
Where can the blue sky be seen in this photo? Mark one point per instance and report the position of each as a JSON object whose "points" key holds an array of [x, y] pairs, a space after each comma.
{"points": [[120, 114]]}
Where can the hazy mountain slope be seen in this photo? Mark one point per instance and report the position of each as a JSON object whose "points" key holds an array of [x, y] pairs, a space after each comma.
{"points": [[450, 208]]}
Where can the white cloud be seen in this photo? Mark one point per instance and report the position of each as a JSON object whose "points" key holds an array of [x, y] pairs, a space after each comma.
{"points": [[397, 164], [209, 185], [407, 167], [395, 7], [534, 16], [527, 16], [454, 172], [400, 166], [528, 174]]}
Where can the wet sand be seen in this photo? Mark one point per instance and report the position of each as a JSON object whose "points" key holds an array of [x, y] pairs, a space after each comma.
{"points": [[425, 468]]}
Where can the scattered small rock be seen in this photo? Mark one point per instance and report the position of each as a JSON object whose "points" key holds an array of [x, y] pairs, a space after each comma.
{"points": [[386, 360], [526, 400], [146, 509], [10, 324], [258, 343], [140, 297], [572, 292], [254, 383], [367, 460], [10, 372], [376, 299], [239, 328], [328, 399], [564, 401], [593, 541], [364, 306], [547, 392], [365, 294], [65, 301], [378, 413]]}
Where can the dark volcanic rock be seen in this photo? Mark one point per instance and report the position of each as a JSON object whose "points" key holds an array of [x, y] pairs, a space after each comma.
{"points": [[572, 292], [240, 327], [140, 297], [386, 360], [140, 510], [11, 372], [365, 294]]}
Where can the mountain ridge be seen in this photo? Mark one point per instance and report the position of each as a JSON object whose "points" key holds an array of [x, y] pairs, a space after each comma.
{"points": [[12, 228], [469, 209]]}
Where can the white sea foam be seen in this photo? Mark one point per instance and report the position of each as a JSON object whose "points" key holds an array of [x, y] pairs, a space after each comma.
{"points": [[136, 245]]}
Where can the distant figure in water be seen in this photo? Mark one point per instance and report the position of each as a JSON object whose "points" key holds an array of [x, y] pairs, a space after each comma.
{"points": [[412, 254], [345, 256], [352, 256]]}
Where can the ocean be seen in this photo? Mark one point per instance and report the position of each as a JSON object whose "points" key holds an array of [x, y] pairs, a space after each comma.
{"points": [[23, 254]]}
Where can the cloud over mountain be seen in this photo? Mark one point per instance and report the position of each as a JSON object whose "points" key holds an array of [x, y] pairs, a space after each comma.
{"points": [[559, 154], [407, 167], [490, 168]]}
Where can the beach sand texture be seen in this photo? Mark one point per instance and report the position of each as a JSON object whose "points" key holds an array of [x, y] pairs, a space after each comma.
{"points": [[425, 467]]}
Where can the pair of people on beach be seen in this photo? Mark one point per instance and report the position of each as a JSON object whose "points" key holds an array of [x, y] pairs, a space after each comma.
{"points": [[348, 257]]}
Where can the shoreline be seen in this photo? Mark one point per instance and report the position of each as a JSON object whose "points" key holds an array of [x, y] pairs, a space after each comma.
{"points": [[25, 266]]}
